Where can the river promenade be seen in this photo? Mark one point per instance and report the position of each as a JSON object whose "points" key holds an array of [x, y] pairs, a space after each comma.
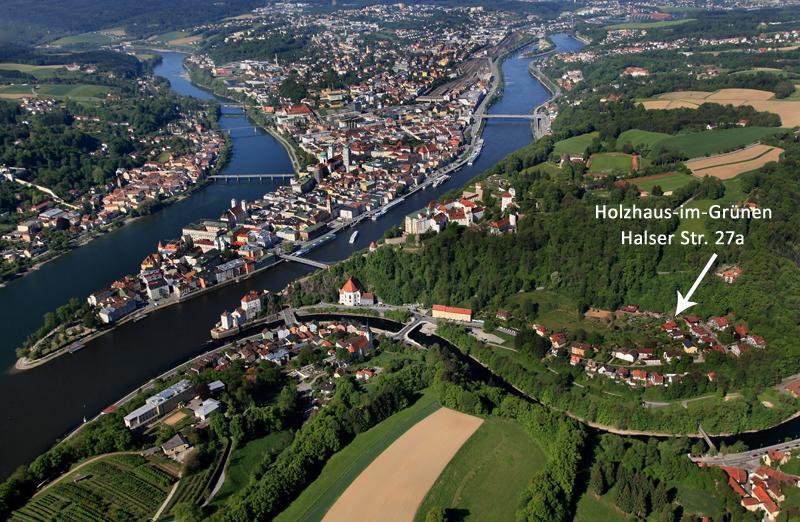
{"points": [[45, 403]]}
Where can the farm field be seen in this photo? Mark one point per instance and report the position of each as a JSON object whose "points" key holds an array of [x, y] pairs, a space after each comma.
{"points": [[668, 181], [246, 459], [79, 91], [15, 92], [345, 466], [607, 162], [394, 485], [641, 137], [122, 486], [500, 452], [93, 38], [717, 141], [575, 145], [727, 166], [40, 71], [788, 110], [650, 25]]}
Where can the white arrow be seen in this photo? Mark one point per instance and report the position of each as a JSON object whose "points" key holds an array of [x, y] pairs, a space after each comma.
{"points": [[683, 302]]}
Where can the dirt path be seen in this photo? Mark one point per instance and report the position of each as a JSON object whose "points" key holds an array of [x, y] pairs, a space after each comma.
{"points": [[394, 485]]}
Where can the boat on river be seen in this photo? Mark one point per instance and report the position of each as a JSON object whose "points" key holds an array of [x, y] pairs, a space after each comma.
{"points": [[353, 237]]}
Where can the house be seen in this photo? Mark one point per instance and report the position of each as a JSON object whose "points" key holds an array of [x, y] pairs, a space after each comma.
{"points": [[503, 315], [540, 330], [350, 293], [206, 408], [452, 313], [718, 323], [731, 275], [558, 340], [639, 375], [625, 355], [365, 374], [636, 72], [175, 447], [580, 349]]}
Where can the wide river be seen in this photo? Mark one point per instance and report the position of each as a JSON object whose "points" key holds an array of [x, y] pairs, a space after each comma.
{"points": [[43, 404]]}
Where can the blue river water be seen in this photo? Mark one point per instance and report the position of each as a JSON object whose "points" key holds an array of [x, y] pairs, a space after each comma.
{"points": [[42, 404]]}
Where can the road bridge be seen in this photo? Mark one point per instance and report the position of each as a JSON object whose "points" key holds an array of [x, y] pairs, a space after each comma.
{"points": [[304, 260], [746, 459], [507, 116], [250, 177]]}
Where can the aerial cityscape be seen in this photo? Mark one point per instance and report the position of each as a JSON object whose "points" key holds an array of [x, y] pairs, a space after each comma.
{"points": [[424, 261]]}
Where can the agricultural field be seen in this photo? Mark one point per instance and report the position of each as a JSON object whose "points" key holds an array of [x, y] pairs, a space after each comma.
{"points": [[15, 92], [120, 487], [650, 25], [345, 466], [788, 110], [717, 141], [244, 461], [607, 162], [500, 452], [397, 481], [39, 71], [93, 38], [78, 92], [727, 166], [638, 137], [668, 181], [575, 145]]}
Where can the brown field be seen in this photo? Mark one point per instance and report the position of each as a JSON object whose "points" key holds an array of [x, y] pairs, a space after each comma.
{"points": [[788, 110], [175, 418], [394, 485], [727, 166], [189, 40]]}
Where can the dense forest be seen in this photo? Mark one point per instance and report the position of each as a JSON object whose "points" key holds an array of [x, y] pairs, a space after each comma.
{"points": [[52, 18]]}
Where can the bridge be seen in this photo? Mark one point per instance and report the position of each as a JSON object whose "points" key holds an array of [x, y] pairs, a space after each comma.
{"points": [[250, 177], [304, 260], [746, 459], [418, 319], [507, 116]]}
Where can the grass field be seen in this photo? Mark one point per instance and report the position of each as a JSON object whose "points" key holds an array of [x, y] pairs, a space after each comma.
{"points": [[592, 508], [500, 452], [345, 466], [668, 182], [78, 91], [733, 193], [575, 145], [607, 162], [39, 71], [699, 144], [699, 502], [93, 38], [557, 311], [650, 25], [640, 137], [118, 487], [246, 459]]}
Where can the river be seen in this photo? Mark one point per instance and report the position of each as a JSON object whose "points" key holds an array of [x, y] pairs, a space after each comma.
{"points": [[42, 404]]}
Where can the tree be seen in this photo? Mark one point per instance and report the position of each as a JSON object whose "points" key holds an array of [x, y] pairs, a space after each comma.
{"points": [[597, 482], [657, 191], [187, 512], [436, 514]]}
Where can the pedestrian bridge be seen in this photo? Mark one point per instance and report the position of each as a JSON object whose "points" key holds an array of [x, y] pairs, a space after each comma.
{"points": [[304, 260]]}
